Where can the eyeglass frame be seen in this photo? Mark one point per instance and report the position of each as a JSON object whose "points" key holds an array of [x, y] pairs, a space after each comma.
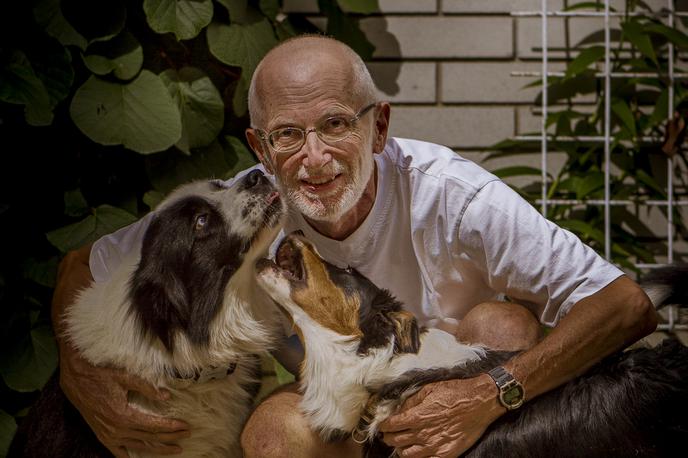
{"points": [[266, 138]]}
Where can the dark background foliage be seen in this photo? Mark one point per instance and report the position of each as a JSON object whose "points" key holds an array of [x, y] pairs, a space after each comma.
{"points": [[105, 106]]}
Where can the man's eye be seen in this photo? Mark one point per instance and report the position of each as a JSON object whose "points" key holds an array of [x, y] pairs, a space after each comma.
{"points": [[286, 134], [335, 125]]}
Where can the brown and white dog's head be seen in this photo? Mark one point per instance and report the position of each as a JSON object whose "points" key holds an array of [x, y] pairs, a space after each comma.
{"points": [[319, 296]]}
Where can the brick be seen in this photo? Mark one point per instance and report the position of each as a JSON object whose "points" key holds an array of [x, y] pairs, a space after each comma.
{"points": [[529, 119], [481, 82], [455, 127], [496, 6], [386, 6], [529, 35], [408, 82], [440, 37], [507, 6]]}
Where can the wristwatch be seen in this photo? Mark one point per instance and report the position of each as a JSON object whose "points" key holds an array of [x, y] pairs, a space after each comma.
{"points": [[511, 392]]}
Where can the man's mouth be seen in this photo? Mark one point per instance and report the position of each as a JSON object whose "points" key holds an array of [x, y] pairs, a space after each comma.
{"points": [[321, 184]]}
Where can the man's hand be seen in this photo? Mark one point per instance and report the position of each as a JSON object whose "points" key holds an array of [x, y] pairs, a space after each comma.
{"points": [[444, 419], [101, 394]]}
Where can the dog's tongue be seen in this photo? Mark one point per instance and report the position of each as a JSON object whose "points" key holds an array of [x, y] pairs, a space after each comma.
{"points": [[274, 195]]}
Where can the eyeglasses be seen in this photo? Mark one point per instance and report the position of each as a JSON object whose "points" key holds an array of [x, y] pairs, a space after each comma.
{"points": [[288, 140]]}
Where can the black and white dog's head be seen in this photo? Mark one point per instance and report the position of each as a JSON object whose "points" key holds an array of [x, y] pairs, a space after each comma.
{"points": [[200, 237]]}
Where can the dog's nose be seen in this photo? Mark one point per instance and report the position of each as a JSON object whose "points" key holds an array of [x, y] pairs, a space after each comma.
{"points": [[253, 178]]}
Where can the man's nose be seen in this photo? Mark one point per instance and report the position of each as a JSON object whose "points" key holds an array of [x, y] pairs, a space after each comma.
{"points": [[315, 150]]}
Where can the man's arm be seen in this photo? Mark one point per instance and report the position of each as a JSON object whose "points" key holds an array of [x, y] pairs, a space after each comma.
{"points": [[454, 414], [100, 393]]}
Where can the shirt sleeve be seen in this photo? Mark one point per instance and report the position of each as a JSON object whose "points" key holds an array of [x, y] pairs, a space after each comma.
{"points": [[527, 257]]}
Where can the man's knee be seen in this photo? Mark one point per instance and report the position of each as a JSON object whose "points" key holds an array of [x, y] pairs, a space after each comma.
{"points": [[500, 325], [274, 427], [278, 429]]}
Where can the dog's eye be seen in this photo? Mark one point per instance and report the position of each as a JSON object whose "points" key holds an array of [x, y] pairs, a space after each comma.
{"points": [[201, 221]]}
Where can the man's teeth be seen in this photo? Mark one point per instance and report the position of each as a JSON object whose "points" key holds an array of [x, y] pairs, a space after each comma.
{"points": [[318, 180]]}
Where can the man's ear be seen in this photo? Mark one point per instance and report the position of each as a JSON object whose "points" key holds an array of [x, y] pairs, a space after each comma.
{"points": [[257, 146], [381, 127], [406, 334]]}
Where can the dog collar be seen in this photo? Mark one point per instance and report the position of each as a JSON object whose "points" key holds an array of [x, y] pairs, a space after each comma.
{"points": [[208, 373], [511, 392]]}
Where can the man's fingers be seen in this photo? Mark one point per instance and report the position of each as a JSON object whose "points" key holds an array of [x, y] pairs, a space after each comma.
{"points": [[165, 438], [134, 383], [402, 439], [140, 421], [119, 452], [414, 451], [152, 448]]}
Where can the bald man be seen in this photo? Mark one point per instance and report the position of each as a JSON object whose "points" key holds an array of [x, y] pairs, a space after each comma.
{"points": [[445, 236]]}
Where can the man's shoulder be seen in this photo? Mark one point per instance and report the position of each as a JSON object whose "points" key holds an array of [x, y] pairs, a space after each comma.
{"points": [[431, 161]]}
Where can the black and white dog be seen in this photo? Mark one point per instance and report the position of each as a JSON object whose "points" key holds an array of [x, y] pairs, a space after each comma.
{"points": [[365, 355], [183, 313]]}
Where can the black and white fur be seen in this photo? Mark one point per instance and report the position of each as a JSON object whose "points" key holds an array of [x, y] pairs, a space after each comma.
{"points": [[633, 403], [183, 306]]}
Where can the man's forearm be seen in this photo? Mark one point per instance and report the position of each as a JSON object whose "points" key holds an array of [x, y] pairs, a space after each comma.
{"points": [[596, 326], [73, 276]]}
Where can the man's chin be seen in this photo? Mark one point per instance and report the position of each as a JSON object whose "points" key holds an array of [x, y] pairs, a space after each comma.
{"points": [[321, 209]]}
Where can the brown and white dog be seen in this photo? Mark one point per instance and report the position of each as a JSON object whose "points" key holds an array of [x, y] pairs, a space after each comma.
{"points": [[184, 313], [364, 355]]}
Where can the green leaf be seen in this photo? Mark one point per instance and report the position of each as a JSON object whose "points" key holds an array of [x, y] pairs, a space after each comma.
{"points": [[283, 375], [20, 85], [75, 203], [270, 8], [240, 158], [517, 170], [100, 20], [583, 229], [184, 18], [8, 427], [240, 97], [649, 181], [167, 171], [48, 15], [200, 105], [359, 6], [52, 64], [346, 29], [153, 198], [241, 45], [674, 35], [140, 115], [588, 184], [637, 36], [33, 364], [237, 9], [123, 54], [104, 220], [623, 111], [42, 272], [661, 110], [583, 60]]}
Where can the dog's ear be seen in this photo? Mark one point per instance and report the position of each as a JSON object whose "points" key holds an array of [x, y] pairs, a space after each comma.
{"points": [[406, 334], [181, 277]]}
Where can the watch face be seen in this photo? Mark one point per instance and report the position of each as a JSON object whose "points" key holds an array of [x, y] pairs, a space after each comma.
{"points": [[513, 395]]}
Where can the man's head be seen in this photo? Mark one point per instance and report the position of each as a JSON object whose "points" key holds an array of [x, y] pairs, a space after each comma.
{"points": [[310, 128]]}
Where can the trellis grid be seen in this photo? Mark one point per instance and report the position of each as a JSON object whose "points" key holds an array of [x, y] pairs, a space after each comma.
{"points": [[670, 15]]}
